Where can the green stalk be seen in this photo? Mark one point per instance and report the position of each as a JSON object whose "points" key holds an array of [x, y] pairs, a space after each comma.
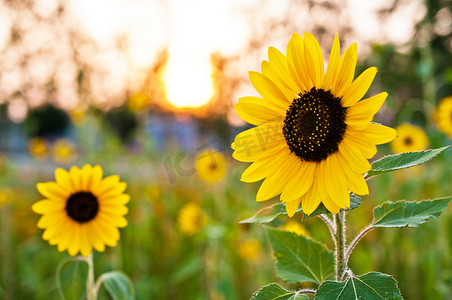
{"points": [[341, 266], [91, 290]]}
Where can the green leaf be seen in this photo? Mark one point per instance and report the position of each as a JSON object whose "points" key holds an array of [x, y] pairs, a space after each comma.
{"points": [[270, 213], [355, 201], [411, 214], [371, 286], [118, 285], [402, 161], [300, 259], [274, 291]]}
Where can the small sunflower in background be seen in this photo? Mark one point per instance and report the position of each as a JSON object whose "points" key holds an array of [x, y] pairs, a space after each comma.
{"points": [[409, 138], [313, 134], [443, 116], [38, 148], [138, 102], [64, 151], [250, 250], [211, 166], [296, 227], [6, 196], [82, 210], [191, 219]]}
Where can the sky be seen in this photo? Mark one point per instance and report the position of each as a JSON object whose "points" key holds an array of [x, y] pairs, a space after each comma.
{"points": [[190, 30]]}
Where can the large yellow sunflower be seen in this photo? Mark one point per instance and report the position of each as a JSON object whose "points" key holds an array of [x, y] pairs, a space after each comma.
{"points": [[313, 135], [82, 211]]}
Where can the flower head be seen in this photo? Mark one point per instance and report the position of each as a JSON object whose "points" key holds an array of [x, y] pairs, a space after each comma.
{"points": [[64, 151], [82, 211], [38, 148], [210, 166], [443, 115], [191, 219], [313, 134], [250, 250], [409, 138]]}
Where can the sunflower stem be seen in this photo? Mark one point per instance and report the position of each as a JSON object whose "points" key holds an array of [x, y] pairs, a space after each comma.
{"points": [[91, 290], [341, 266]]}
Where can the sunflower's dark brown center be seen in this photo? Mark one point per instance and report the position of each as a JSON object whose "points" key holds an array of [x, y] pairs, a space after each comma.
{"points": [[314, 125], [408, 141], [213, 166], [82, 206]]}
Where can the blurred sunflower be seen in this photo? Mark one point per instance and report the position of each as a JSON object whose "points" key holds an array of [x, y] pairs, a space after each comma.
{"points": [[38, 148], [6, 195], [250, 250], [82, 211], [211, 166], [296, 227], [191, 219], [409, 138], [313, 134], [443, 116], [64, 151], [138, 102]]}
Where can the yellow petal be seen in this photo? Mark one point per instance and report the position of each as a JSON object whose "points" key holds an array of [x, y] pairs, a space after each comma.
{"points": [[259, 142], [49, 220], [356, 182], [361, 114], [314, 59], [114, 221], [359, 87], [345, 71], [74, 245], [322, 188], [52, 190], [333, 63], [256, 112], [67, 237], [96, 176], [105, 234], [105, 185], [279, 66], [274, 184], [85, 246], [378, 134], [310, 201], [367, 149], [297, 62], [48, 206], [337, 187], [292, 206], [63, 179], [114, 210], [86, 174], [75, 174], [267, 89], [290, 61], [115, 200], [115, 190], [358, 163], [263, 168], [301, 181], [95, 237]]}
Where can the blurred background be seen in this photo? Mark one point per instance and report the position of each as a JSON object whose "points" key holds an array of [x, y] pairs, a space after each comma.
{"points": [[145, 87]]}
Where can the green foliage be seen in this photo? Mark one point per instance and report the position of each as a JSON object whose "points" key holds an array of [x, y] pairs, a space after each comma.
{"points": [[118, 285], [411, 214], [270, 213], [372, 286], [300, 259], [274, 291], [402, 161]]}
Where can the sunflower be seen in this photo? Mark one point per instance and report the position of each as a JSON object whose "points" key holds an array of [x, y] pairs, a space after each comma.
{"points": [[82, 211], [38, 148], [64, 151], [313, 135], [409, 138], [443, 115], [191, 219], [210, 166]]}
